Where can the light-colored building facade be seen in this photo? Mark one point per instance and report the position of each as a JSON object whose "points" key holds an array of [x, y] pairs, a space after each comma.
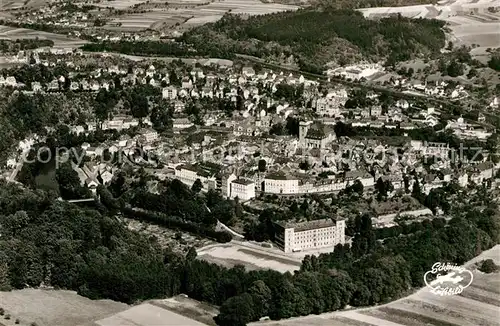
{"points": [[150, 135], [207, 173], [243, 189], [182, 123], [310, 235], [280, 184], [169, 93]]}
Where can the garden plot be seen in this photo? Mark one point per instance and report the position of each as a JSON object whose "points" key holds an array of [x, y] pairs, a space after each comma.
{"points": [[148, 314], [12, 4], [190, 308], [196, 21]]}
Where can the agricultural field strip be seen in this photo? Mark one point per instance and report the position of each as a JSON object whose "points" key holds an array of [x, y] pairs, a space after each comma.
{"points": [[213, 10], [13, 33], [399, 316], [422, 311], [368, 319], [424, 307], [457, 306], [476, 294]]}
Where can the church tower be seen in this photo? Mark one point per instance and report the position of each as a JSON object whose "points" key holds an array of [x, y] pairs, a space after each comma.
{"points": [[303, 129]]}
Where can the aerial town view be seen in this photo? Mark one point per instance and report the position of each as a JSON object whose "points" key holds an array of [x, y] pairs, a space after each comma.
{"points": [[250, 162]]}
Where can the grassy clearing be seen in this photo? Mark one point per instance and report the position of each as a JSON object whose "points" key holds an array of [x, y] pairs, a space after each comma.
{"points": [[61, 308], [268, 257], [233, 254], [190, 308]]}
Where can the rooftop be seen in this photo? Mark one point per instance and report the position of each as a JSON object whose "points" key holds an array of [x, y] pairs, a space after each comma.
{"points": [[205, 169], [308, 225], [279, 175], [244, 182]]}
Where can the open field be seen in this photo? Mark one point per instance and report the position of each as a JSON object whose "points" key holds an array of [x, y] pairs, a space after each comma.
{"points": [[150, 19], [50, 307], [66, 308], [11, 4], [147, 314], [183, 14], [202, 312], [479, 304], [118, 4], [17, 4], [60, 41], [252, 257], [469, 20]]}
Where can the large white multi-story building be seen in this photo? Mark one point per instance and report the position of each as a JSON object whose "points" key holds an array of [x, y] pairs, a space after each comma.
{"points": [[441, 150], [243, 189], [356, 72], [182, 123], [296, 184], [310, 235], [207, 173], [278, 183], [465, 130]]}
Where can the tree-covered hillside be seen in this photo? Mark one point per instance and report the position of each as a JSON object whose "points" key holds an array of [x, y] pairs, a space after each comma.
{"points": [[354, 4], [89, 250], [316, 37], [309, 38]]}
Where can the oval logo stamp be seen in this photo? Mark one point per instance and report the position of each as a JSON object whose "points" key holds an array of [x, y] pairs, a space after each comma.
{"points": [[447, 279]]}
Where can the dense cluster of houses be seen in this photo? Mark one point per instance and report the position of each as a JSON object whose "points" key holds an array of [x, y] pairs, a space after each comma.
{"points": [[226, 155], [294, 168]]}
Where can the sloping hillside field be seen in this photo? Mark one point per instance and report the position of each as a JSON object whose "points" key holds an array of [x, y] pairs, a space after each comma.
{"points": [[471, 21], [478, 304]]}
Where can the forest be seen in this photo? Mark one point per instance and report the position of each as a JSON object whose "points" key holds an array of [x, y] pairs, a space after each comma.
{"points": [[316, 37], [175, 207], [88, 250], [355, 4], [22, 114], [151, 48], [494, 62], [309, 38]]}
